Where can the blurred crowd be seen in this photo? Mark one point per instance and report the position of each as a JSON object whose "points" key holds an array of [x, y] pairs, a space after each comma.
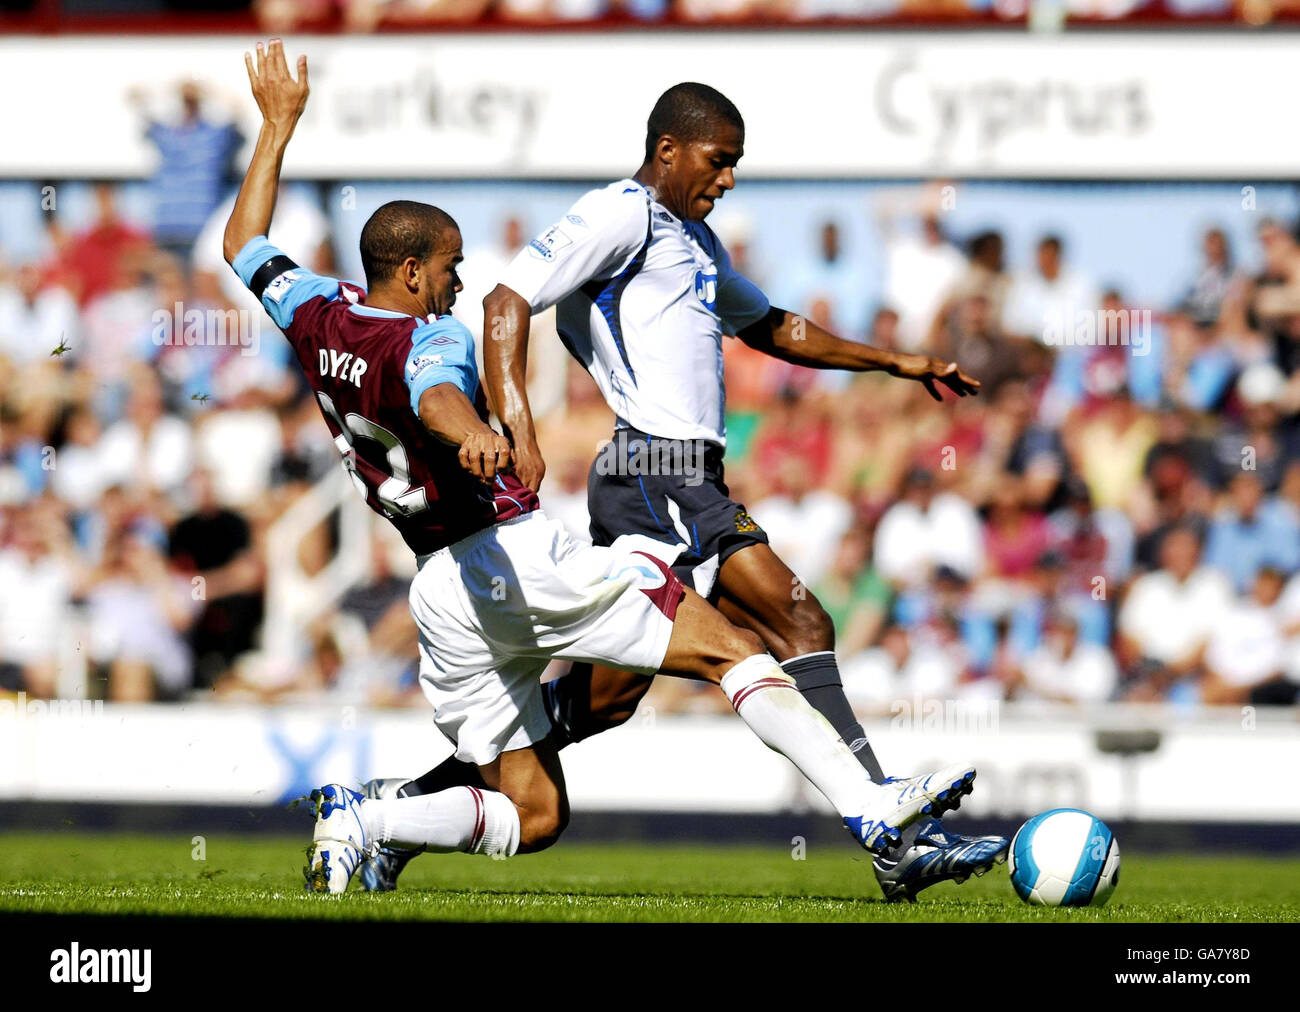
{"points": [[1115, 517], [370, 15], [367, 15]]}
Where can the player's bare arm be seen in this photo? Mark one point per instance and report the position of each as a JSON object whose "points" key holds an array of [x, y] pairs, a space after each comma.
{"points": [[505, 356], [281, 100], [796, 339], [448, 414]]}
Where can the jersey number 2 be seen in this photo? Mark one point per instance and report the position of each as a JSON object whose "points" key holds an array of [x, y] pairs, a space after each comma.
{"points": [[395, 494]]}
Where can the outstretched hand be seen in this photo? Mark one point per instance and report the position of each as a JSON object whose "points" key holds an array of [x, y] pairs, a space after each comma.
{"points": [[280, 98], [931, 371]]}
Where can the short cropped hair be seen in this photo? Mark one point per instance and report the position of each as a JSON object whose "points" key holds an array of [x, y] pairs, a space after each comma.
{"points": [[401, 229], [689, 112]]}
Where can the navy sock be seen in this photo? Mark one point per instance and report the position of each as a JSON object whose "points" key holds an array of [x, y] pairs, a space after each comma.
{"points": [[817, 676], [451, 772]]}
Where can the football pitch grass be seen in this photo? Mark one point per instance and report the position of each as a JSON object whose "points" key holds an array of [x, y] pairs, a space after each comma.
{"points": [[260, 877]]}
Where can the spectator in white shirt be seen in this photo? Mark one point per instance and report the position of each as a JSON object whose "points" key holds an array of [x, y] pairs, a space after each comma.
{"points": [[872, 678], [1048, 305], [36, 586], [35, 320], [938, 662], [1246, 648], [921, 265], [1167, 618], [81, 473], [138, 613], [1049, 296], [803, 523], [919, 271], [1065, 670], [1288, 616], [148, 448], [925, 530], [905, 670]]}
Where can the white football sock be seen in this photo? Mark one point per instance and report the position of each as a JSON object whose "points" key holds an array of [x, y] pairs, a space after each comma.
{"points": [[461, 818], [768, 700]]}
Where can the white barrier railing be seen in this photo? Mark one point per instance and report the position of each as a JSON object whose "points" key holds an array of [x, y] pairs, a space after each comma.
{"points": [[294, 597], [1220, 765]]}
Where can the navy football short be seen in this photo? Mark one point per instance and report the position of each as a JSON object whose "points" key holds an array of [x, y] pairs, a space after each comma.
{"points": [[670, 491]]}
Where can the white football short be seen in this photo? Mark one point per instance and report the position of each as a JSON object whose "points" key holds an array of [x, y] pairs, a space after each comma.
{"points": [[494, 608]]}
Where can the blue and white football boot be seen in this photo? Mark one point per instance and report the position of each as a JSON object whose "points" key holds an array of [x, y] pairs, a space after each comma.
{"points": [[948, 797], [379, 874], [339, 841], [936, 855], [899, 801]]}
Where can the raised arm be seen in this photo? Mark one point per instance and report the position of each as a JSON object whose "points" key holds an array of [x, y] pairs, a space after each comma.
{"points": [[784, 335], [506, 316], [281, 100], [596, 239]]}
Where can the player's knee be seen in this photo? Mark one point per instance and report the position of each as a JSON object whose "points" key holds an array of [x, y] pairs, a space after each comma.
{"points": [[811, 627], [739, 644], [798, 622], [540, 827], [748, 643]]}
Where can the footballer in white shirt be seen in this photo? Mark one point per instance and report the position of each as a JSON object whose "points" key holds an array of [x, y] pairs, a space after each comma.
{"points": [[644, 292]]}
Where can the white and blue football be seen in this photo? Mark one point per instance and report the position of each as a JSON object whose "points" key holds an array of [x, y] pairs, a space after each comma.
{"points": [[1064, 858]]}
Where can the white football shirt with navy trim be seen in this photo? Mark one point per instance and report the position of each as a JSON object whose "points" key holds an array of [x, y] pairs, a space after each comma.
{"points": [[643, 299]]}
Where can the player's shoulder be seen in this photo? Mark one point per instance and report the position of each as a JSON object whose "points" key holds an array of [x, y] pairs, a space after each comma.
{"points": [[622, 202], [613, 218], [440, 330], [272, 274], [437, 341], [305, 285], [441, 351]]}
